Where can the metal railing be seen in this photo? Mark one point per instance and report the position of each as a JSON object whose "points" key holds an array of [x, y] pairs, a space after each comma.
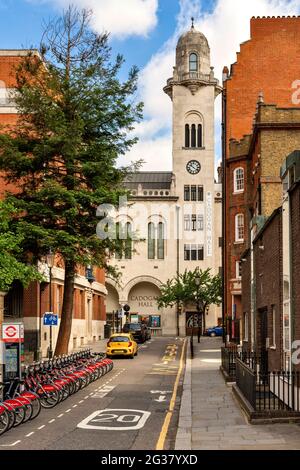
{"points": [[269, 391], [229, 356]]}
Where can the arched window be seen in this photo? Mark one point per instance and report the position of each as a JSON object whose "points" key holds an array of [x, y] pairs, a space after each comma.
{"points": [[193, 136], [239, 180], [187, 135], [161, 242], [151, 241], [239, 228], [199, 135], [128, 242], [193, 63]]}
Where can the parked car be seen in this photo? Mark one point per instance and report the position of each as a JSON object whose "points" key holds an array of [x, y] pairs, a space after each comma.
{"points": [[122, 344], [215, 331], [148, 333], [138, 331]]}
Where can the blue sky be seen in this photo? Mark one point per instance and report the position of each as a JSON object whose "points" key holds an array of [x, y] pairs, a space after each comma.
{"points": [[146, 32]]}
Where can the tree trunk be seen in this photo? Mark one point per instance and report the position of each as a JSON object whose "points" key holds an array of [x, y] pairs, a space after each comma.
{"points": [[67, 311]]}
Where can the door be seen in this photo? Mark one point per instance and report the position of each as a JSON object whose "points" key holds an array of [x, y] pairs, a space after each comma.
{"points": [[263, 341], [192, 318]]}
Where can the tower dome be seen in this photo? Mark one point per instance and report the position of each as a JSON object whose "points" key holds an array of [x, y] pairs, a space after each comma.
{"points": [[192, 68]]}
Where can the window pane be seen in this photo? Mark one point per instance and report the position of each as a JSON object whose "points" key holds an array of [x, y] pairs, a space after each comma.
{"points": [[194, 193], [187, 135], [187, 253], [151, 241], [187, 223], [200, 253], [194, 253], [194, 223], [187, 193], [199, 135], [193, 63], [193, 136], [160, 241], [200, 193], [200, 222]]}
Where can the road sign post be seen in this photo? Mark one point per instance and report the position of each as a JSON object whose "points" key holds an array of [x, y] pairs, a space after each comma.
{"points": [[50, 319]]}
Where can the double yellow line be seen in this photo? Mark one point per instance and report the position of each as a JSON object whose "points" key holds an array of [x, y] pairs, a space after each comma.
{"points": [[164, 430]]}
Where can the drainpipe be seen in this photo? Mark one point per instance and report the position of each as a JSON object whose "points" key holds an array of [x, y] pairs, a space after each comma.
{"points": [[178, 266], [224, 152]]}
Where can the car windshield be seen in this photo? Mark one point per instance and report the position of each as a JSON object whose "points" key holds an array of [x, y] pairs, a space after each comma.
{"points": [[119, 339], [132, 326]]}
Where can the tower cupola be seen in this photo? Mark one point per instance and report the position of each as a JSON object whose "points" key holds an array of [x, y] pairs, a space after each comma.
{"points": [[192, 67]]}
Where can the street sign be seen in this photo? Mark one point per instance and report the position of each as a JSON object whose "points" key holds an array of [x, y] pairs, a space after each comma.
{"points": [[12, 332], [50, 319]]}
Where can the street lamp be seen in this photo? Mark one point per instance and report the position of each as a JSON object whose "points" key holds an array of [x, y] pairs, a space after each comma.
{"points": [[198, 282], [50, 262]]}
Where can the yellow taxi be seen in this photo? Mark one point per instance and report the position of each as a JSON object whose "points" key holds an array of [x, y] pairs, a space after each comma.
{"points": [[121, 344]]}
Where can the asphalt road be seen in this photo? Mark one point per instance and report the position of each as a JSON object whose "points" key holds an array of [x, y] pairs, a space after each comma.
{"points": [[124, 410]]}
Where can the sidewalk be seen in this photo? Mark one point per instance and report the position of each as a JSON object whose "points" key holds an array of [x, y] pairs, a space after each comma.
{"points": [[211, 419]]}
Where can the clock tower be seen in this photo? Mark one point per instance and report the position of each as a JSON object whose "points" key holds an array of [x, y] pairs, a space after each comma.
{"points": [[193, 89]]}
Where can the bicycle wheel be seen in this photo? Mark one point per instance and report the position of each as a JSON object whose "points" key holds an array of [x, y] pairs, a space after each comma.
{"points": [[4, 420], [35, 403], [50, 399]]}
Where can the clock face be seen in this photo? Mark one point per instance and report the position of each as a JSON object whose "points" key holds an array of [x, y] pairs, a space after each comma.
{"points": [[193, 167]]}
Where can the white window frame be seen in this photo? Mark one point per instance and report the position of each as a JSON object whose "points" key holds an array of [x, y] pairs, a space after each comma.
{"points": [[238, 181], [238, 226]]}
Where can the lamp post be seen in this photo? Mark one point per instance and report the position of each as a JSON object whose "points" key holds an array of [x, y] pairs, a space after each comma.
{"points": [[198, 282], [50, 263]]}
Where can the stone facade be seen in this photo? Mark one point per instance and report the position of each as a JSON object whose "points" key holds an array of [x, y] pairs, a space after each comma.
{"points": [[173, 199]]}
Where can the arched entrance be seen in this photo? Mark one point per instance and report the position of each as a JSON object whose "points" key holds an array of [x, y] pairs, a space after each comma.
{"points": [[142, 299]]}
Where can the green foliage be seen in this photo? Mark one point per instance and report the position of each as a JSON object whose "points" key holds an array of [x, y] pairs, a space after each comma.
{"points": [[198, 287], [11, 265], [76, 116]]}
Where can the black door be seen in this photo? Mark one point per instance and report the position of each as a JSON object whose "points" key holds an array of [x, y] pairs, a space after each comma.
{"points": [[263, 341]]}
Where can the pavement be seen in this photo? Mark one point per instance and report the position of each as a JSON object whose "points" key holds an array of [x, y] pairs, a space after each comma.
{"points": [[211, 419]]}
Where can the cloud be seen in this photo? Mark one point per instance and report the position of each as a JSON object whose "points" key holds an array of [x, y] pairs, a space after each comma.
{"points": [[122, 18], [225, 27]]}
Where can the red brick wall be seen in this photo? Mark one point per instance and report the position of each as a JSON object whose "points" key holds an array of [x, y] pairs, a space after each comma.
{"points": [[269, 289], [268, 62]]}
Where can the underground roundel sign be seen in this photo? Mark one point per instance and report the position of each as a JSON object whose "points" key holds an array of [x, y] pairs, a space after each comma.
{"points": [[11, 333]]}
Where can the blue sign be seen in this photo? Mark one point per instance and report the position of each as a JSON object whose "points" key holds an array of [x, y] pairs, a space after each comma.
{"points": [[50, 319]]}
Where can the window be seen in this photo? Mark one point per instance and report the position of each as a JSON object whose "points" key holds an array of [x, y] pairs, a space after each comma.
{"points": [[193, 252], [160, 242], [187, 135], [193, 193], [238, 176], [239, 228], [200, 193], [199, 135], [193, 223], [193, 62], [156, 241], [200, 222], [246, 326], [273, 325], [128, 241], [193, 136], [187, 193], [238, 266], [151, 241], [220, 242]]}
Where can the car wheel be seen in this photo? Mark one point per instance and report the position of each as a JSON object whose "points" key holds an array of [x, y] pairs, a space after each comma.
{"points": [[136, 353], [132, 356], [212, 335]]}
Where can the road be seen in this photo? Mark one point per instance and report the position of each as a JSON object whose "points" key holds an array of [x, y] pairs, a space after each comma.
{"points": [[127, 409]]}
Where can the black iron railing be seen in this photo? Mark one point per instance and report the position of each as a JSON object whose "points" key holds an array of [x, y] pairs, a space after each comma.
{"points": [[277, 391]]}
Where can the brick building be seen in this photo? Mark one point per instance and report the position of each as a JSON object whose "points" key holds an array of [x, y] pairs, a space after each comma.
{"points": [[268, 65], [30, 304]]}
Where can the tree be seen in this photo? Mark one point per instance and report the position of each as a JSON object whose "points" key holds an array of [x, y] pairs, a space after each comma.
{"points": [[196, 287], [75, 116], [12, 263]]}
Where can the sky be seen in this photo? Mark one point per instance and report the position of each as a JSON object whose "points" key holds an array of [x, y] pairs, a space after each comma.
{"points": [[145, 32]]}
